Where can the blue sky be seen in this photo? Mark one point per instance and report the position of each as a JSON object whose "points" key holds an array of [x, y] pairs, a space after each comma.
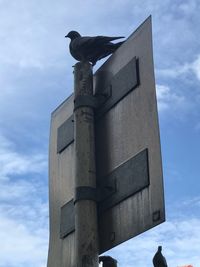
{"points": [[36, 76]]}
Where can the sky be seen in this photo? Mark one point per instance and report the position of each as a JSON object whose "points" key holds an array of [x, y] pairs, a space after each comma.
{"points": [[36, 76]]}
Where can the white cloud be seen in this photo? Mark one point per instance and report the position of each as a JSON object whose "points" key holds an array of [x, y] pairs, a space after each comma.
{"points": [[23, 207], [194, 202], [167, 99], [22, 244], [16, 190], [15, 163], [181, 70], [189, 8], [175, 71], [195, 66]]}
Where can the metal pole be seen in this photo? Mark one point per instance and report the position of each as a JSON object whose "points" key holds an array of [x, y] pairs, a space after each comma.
{"points": [[86, 230]]}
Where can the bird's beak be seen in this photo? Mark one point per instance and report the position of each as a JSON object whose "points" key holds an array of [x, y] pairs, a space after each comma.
{"points": [[66, 36]]}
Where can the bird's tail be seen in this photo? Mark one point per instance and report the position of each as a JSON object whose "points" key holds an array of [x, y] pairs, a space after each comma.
{"points": [[117, 45], [110, 48]]}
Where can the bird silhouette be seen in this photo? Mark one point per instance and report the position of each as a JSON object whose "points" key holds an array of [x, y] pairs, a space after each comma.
{"points": [[108, 261], [92, 49], [158, 259]]}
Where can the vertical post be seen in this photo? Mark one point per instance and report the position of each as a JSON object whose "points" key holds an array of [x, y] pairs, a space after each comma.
{"points": [[86, 230]]}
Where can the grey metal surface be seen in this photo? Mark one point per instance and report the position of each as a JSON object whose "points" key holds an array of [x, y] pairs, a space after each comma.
{"points": [[61, 187], [67, 219], [128, 128], [130, 177], [65, 134], [120, 84]]}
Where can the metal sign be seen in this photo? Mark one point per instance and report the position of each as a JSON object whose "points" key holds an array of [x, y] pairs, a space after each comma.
{"points": [[129, 128], [129, 170]]}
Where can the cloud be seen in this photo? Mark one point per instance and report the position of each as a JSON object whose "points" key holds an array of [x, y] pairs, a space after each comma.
{"points": [[168, 99], [182, 70], [192, 203], [14, 163], [23, 207], [189, 8], [175, 71], [195, 66], [23, 244]]}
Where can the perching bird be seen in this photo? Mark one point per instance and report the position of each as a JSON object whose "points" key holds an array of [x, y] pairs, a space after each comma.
{"points": [[158, 259], [108, 261], [91, 49]]}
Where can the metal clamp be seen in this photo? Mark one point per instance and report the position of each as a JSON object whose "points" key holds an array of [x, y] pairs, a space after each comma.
{"points": [[93, 101], [85, 193], [85, 101]]}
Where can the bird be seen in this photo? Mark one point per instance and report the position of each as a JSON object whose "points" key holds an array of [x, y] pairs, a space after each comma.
{"points": [[108, 261], [91, 49], [158, 259]]}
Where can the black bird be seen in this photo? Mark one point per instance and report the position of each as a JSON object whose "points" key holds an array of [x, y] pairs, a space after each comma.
{"points": [[108, 261], [91, 49], [158, 259]]}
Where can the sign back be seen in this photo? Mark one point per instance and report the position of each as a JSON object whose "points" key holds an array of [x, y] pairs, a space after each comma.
{"points": [[128, 158], [128, 134]]}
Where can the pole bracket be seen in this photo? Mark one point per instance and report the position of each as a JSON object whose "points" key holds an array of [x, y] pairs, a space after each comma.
{"points": [[85, 193], [93, 101], [85, 101], [95, 194]]}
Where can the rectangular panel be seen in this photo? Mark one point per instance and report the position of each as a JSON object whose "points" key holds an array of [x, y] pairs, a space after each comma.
{"points": [[130, 177], [118, 86], [67, 219], [65, 134]]}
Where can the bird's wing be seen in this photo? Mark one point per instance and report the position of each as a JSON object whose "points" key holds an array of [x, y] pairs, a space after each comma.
{"points": [[82, 43], [106, 39], [91, 42], [75, 44]]}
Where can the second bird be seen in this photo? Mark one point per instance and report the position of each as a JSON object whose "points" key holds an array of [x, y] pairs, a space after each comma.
{"points": [[92, 49]]}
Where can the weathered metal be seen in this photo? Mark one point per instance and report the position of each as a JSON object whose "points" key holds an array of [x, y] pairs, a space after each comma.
{"points": [[126, 180], [130, 178], [65, 134], [119, 84], [67, 219], [129, 127]]}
